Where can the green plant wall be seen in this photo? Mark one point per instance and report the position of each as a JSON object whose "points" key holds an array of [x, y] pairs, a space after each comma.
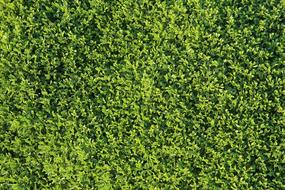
{"points": [[142, 94]]}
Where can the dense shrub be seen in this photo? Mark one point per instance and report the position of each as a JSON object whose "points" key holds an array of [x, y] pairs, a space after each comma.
{"points": [[142, 94]]}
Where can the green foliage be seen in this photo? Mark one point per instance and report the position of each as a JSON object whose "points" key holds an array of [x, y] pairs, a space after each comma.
{"points": [[176, 94]]}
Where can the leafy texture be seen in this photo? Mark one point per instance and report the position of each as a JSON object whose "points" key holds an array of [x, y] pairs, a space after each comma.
{"points": [[142, 94]]}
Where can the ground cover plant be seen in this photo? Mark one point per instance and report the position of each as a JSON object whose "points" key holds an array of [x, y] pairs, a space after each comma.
{"points": [[142, 94]]}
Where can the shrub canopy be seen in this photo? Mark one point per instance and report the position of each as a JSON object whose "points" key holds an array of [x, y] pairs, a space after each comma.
{"points": [[142, 94]]}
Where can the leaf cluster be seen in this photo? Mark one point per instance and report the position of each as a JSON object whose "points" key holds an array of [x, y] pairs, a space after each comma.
{"points": [[177, 94]]}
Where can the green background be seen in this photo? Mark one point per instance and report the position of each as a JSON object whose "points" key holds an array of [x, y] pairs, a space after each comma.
{"points": [[142, 94]]}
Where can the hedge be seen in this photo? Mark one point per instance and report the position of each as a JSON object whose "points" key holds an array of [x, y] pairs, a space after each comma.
{"points": [[142, 94]]}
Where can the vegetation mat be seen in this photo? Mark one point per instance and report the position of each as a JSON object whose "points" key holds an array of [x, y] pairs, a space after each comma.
{"points": [[142, 94]]}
